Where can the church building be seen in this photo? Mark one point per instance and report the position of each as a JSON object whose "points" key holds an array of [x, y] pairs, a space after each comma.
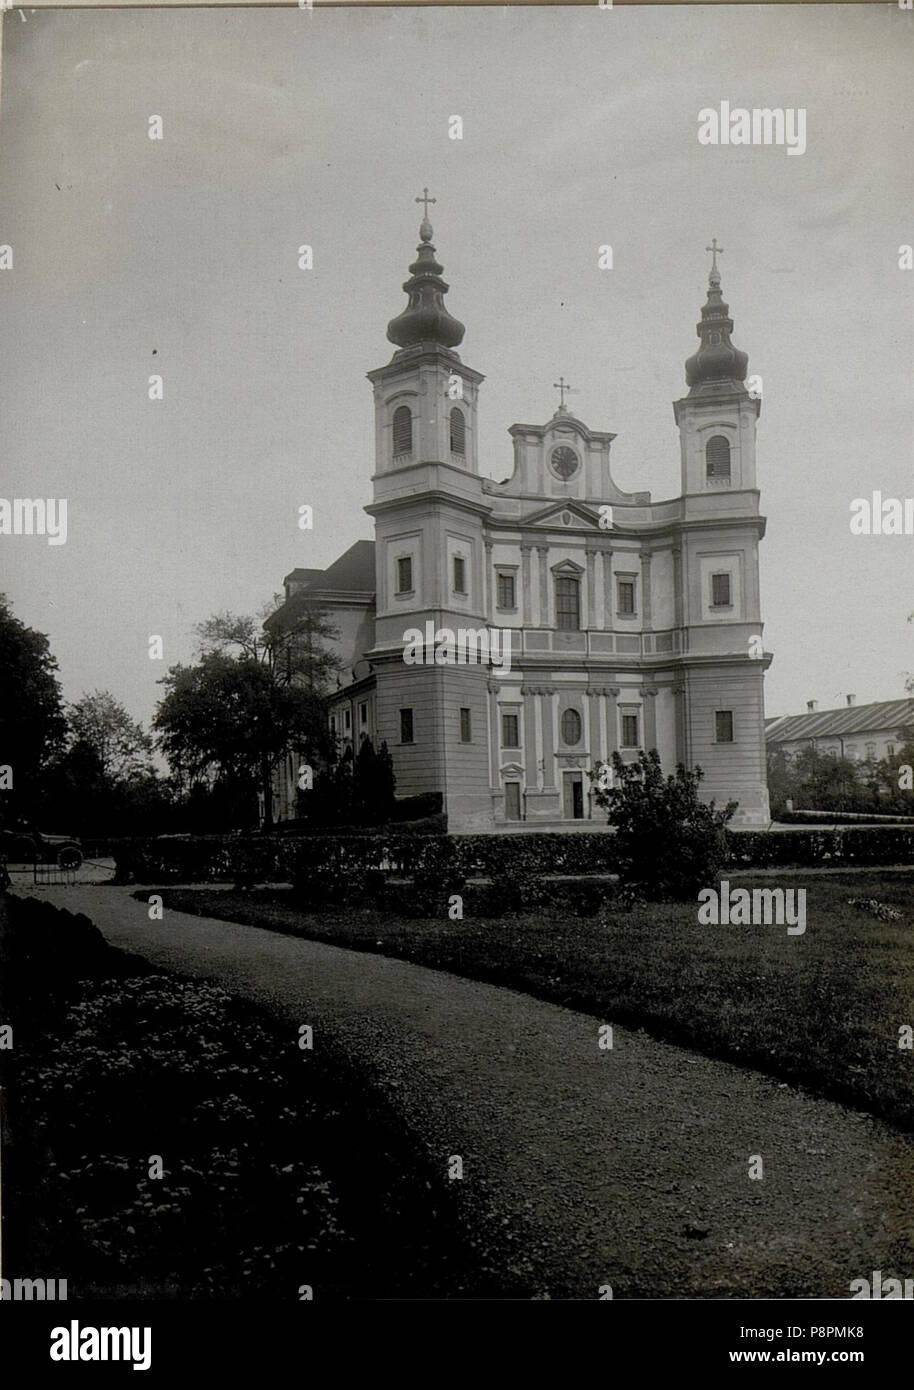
{"points": [[621, 623]]}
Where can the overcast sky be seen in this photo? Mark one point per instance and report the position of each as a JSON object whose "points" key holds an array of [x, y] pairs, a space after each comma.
{"points": [[284, 127]]}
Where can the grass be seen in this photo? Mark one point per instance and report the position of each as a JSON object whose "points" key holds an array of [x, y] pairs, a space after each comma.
{"points": [[821, 1010]]}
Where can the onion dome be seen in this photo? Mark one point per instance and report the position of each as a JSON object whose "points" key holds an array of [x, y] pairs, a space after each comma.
{"points": [[717, 361], [425, 319]]}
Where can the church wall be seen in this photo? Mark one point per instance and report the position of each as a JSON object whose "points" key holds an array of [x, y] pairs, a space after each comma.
{"points": [[469, 800], [663, 600], [419, 766], [356, 629], [733, 771]]}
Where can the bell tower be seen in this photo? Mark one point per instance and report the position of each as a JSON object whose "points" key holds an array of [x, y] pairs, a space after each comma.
{"points": [[425, 398], [430, 554], [717, 418], [721, 715]]}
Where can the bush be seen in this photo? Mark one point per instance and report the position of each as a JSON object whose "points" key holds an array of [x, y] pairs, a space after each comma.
{"points": [[669, 843]]}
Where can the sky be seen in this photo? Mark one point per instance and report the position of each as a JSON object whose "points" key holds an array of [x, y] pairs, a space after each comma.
{"points": [[179, 257]]}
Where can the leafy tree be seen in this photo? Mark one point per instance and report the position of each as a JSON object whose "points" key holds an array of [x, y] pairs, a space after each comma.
{"points": [[356, 789], [32, 723], [228, 718], [292, 642], [374, 785], [669, 843], [99, 722]]}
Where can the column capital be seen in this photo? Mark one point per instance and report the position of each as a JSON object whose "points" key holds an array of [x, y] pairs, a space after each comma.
{"points": [[493, 686], [644, 690]]}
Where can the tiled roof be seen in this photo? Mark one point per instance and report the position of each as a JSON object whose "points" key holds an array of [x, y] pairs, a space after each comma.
{"points": [[841, 723], [301, 577], [354, 570]]}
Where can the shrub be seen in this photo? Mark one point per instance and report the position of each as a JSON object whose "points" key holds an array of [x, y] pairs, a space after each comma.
{"points": [[669, 843]]}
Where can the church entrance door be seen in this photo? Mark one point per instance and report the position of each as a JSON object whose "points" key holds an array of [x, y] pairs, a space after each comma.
{"points": [[573, 785]]}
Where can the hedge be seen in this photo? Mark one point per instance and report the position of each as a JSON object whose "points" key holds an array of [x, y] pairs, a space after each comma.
{"points": [[263, 859], [831, 847], [275, 858]]}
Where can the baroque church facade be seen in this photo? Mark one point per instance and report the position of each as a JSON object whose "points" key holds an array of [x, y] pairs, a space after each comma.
{"points": [[632, 623]]}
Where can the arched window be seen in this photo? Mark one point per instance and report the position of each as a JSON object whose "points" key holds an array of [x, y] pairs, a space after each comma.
{"points": [[403, 430], [567, 604], [458, 431], [717, 457], [571, 726]]}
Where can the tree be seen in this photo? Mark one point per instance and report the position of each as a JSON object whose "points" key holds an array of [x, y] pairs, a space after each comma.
{"points": [[668, 843], [290, 645], [292, 641], [228, 718], [123, 748], [32, 723], [826, 782]]}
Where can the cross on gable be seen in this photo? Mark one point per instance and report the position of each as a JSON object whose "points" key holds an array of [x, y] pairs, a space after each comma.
{"points": [[561, 386]]}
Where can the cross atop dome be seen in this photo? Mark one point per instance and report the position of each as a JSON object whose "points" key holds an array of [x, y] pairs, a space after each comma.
{"points": [[715, 252], [717, 364], [425, 230], [425, 319]]}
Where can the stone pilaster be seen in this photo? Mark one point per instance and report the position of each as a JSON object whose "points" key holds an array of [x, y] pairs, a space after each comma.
{"points": [[494, 735], [607, 591], [526, 588], [591, 555], [488, 581], [544, 585], [645, 589]]}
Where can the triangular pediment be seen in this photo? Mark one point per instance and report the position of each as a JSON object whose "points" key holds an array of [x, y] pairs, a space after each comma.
{"points": [[564, 516]]}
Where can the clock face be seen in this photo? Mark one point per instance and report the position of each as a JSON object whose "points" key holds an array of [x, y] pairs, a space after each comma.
{"points": [[564, 462]]}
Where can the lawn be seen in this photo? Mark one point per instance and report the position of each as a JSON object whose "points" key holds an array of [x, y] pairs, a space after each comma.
{"points": [[820, 1010]]}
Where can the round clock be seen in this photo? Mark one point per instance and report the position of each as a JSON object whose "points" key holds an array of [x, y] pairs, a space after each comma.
{"points": [[564, 462]]}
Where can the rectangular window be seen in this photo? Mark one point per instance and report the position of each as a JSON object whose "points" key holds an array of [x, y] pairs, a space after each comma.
{"points": [[405, 575], [850, 752], [363, 713], [406, 726], [510, 731], [347, 718], [720, 591], [466, 727], [625, 597], [333, 723], [567, 604], [460, 575], [723, 725], [629, 731], [506, 591], [890, 750]]}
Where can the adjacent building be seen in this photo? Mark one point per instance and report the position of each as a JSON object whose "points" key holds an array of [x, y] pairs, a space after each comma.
{"points": [[860, 733]]}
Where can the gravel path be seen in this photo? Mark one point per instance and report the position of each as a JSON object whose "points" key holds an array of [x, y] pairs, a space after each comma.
{"points": [[581, 1167]]}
